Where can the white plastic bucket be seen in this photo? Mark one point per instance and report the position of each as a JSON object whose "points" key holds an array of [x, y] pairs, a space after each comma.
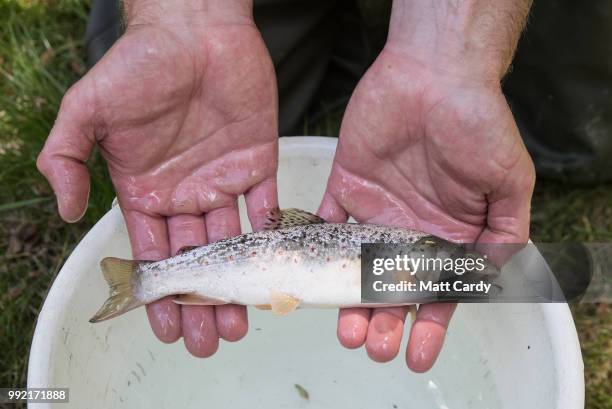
{"points": [[496, 356]]}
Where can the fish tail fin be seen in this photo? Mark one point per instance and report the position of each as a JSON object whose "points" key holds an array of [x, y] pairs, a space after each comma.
{"points": [[118, 274]]}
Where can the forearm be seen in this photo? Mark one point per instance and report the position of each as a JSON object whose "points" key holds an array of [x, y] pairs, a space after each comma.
{"points": [[467, 36], [192, 12]]}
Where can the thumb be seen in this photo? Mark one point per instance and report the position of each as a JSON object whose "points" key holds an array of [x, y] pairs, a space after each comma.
{"points": [[62, 159], [331, 211], [508, 214]]}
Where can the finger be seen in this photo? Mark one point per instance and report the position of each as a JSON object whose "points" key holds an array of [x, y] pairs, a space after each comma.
{"points": [[148, 235], [199, 330], [385, 333], [508, 212], [232, 323], [62, 159], [186, 230], [149, 239], [352, 322], [197, 321], [165, 319], [260, 199], [331, 211], [427, 335], [353, 326]]}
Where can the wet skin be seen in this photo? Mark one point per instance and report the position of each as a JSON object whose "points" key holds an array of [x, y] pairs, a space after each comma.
{"points": [[183, 136], [435, 152]]}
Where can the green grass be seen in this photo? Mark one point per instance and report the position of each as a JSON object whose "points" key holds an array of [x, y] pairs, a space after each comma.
{"points": [[564, 213], [40, 56]]}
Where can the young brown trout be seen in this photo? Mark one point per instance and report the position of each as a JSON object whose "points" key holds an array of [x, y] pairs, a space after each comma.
{"points": [[299, 260]]}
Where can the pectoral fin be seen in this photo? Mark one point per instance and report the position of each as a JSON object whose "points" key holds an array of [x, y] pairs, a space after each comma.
{"points": [[281, 303], [193, 299], [412, 310]]}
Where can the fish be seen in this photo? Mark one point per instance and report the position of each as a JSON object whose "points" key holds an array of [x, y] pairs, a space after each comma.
{"points": [[297, 261]]}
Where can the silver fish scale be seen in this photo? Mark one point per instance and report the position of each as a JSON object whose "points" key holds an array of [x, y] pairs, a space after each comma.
{"points": [[334, 240], [312, 247]]}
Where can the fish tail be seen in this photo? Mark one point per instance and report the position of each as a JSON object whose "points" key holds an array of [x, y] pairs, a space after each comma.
{"points": [[118, 274]]}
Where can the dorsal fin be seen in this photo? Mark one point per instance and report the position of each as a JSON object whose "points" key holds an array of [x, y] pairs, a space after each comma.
{"points": [[282, 219]]}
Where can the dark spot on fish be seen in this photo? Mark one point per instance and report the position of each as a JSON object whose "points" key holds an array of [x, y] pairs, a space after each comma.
{"points": [[254, 253]]}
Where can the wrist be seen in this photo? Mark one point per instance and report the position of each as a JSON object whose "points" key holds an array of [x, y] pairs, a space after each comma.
{"points": [[188, 13], [472, 38]]}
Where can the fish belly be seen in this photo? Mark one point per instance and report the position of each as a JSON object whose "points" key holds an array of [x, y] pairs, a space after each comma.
{"points": [[332, 284]]}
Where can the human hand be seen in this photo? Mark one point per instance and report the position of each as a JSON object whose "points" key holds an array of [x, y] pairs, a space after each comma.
{"points": [[428, 149], [184, 110]]}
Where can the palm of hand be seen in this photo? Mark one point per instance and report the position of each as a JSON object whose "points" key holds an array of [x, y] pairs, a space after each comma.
{"points": [[442, 156], [208, 132]]}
